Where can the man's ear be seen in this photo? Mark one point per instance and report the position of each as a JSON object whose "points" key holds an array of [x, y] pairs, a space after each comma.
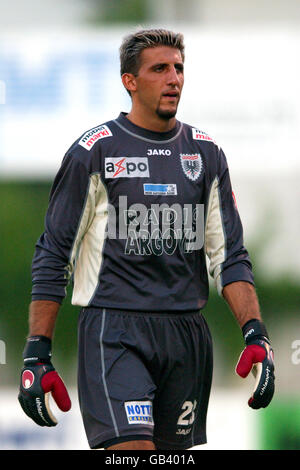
{"points": [[129, 82]]}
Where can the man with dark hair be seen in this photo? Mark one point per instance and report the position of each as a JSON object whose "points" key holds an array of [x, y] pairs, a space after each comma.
{"points": [[134, 44], [137, 205]]}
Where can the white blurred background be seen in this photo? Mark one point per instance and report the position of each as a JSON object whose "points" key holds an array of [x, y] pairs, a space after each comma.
{"points": [[59, 76]]}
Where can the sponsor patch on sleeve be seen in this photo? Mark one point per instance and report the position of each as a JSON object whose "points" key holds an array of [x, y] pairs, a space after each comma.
{"points": [[139, 412], [200, 135], [89, 139]]}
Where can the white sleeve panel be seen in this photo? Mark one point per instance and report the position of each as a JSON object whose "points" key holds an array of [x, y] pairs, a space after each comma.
{"points": [[215, 238], [87, 249]]}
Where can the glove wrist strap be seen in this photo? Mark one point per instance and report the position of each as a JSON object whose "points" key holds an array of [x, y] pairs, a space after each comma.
{"points": [[254, 329], [37, 348]]}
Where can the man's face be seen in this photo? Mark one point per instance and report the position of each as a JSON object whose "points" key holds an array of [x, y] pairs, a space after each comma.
{"points": [[159, 82]]}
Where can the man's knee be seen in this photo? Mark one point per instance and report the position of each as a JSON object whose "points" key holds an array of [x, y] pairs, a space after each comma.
{"points": [[133, 445]]}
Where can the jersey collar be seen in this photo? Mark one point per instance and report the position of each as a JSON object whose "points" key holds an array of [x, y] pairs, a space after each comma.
{"points": [[143, 133]]}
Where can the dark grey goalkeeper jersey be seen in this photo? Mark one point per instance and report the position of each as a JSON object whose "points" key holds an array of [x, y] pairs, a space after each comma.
{"points": [[134, 216]]}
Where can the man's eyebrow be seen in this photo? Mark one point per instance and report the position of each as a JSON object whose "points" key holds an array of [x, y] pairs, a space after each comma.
{"points": [[159, 64], [164, 64]]}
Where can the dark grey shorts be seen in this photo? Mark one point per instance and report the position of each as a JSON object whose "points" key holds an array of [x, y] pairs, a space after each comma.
{"points": [[144, 376]]}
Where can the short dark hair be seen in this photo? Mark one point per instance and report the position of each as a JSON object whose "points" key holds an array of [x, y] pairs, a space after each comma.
{"points": [[135, 43]]}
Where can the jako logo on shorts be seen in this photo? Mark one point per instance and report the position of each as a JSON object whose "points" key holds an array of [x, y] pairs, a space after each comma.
{"points": [[139, 412]]}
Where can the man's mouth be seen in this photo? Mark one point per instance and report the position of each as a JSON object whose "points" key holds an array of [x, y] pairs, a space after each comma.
{"points": [[171, 94]]}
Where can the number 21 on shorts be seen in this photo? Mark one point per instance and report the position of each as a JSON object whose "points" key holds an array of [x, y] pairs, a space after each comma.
{"points": [[187, 417]]}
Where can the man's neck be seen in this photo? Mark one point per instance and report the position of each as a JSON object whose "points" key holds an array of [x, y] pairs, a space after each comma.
{"points": [[155, 123]]}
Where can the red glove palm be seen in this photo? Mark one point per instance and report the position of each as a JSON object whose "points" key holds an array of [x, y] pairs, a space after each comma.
{"points": [[258, 357], [38, 380]]}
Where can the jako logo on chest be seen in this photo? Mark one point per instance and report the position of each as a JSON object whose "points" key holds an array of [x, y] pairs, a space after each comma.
{"points": [[163, 152]]}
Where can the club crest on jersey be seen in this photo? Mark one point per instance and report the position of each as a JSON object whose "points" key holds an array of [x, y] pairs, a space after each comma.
{"points": [[191, 165]]}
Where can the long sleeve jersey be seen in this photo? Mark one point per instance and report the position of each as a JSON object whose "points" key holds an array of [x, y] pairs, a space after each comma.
{"points": [[138, 218]]}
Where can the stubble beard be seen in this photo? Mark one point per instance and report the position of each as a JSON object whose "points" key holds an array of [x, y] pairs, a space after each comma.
{"points": [[166, 114]]}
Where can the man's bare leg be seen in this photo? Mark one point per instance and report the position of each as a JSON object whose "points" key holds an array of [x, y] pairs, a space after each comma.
{"points": [[133, 445]]}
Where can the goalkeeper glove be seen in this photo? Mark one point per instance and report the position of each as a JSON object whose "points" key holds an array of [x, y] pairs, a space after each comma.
{"points": [[258, 356], [38, 380]]}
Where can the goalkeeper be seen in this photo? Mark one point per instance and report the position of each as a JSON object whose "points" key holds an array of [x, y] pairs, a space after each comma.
{"points": [[144, 348]]}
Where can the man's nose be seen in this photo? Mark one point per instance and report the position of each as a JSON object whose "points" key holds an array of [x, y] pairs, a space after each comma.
{"points": [[173, 76]]}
